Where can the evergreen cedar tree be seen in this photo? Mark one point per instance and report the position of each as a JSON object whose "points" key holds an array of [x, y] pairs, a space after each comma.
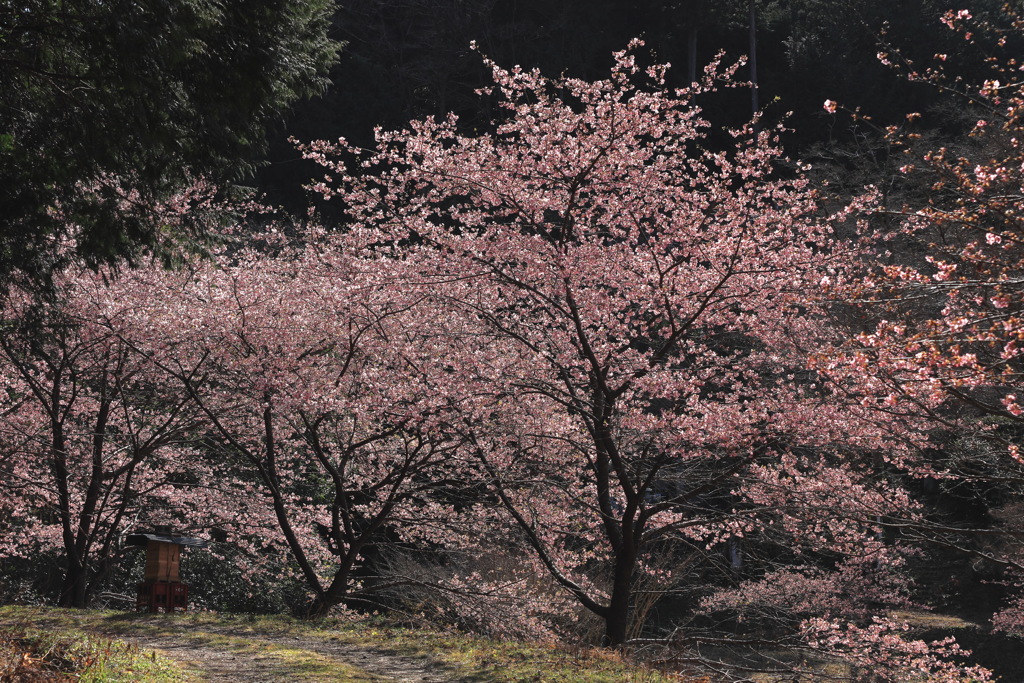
{"points": [[106, 99]]}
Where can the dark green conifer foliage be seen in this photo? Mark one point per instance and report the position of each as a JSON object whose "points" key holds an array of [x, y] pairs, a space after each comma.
{"points": [[151, 92]]}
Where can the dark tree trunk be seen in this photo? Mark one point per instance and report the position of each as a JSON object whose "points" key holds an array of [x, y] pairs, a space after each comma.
{"points": [[321, 606], [74, 590], [337, 593], [617, 616]]}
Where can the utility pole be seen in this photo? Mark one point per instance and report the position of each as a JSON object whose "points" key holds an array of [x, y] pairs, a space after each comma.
{"points": [[755, 105]]}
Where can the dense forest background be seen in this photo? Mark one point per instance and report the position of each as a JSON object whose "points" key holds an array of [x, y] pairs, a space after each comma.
{"points": [[404, 60]]}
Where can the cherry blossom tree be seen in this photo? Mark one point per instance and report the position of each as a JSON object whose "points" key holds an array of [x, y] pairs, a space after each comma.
{"points": [[629, 305], [301, 363], [96, 438], [946, 336], [93, 441]]}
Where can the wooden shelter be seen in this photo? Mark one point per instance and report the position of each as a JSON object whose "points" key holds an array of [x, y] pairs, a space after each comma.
{"points": [[161, 586]]}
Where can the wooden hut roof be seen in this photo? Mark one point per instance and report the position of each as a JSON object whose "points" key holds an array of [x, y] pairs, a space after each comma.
{"points": [[143, 538]]}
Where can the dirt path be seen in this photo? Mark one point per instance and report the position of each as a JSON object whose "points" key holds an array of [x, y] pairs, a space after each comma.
{"points": [[225, 655]]}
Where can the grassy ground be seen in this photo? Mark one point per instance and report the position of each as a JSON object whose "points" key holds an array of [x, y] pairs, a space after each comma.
{"points": [[31, 655], [290, 647]]}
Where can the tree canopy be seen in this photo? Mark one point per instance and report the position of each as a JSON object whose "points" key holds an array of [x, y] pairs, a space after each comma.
{"points": [[109, 106]]}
